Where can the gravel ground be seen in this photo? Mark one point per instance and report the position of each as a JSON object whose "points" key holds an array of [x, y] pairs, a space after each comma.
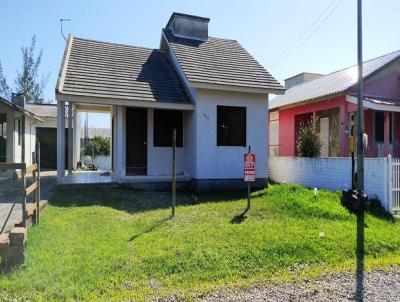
{"points": [[377, 286]]}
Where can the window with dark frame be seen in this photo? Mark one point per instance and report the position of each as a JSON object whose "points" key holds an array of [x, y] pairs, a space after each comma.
{"points": [[231, 126], [380, 126], [164, 123]]}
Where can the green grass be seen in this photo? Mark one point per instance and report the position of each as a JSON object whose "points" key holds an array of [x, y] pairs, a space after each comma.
{"points": [[114, 244]]}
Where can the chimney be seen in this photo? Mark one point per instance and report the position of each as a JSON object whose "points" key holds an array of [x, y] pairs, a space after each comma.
{"points": [[188, 26], [18, 99], [301, 78]]}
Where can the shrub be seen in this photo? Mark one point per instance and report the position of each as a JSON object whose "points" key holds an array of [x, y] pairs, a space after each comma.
{"points": [[100, 146], [309, 142]]}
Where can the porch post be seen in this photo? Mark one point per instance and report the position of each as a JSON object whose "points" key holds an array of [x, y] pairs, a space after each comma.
{"points": [[76, 139], [386, 134], [10, 145], [343, 123], [314, 118], [70, 142], [60, 141], [120, 143]]}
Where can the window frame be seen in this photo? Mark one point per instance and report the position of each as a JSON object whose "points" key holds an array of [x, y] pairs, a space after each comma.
{"points": [[179, 140], [220, 140], [383, 127]]}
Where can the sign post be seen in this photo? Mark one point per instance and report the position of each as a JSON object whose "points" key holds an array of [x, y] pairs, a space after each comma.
{"points": [[249, 172]]}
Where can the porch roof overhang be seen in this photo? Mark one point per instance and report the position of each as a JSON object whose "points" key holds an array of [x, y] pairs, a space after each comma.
{"points": [[375, 104], [87, 99]]}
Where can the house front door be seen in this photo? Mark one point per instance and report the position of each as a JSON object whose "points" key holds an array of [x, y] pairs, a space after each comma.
{"points": [[324, 133], [136, 141]]}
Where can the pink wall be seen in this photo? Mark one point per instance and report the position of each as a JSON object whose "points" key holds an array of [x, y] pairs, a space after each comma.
{"points": [[287, 123]]}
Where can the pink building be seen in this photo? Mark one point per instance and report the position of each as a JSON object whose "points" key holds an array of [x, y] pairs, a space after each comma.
{"points": [[330, 101]]}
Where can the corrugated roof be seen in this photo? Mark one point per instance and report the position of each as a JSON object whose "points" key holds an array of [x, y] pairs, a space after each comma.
{"points": [[109, 70], [331, 84], [43, 110], [220, 61]]}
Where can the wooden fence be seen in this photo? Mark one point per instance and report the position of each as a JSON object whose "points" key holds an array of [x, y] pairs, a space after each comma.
{"points": [[32, 189]]}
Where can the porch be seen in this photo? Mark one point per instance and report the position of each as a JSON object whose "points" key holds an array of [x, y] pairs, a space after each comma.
{"points": [[141, 143], [336, 121]]}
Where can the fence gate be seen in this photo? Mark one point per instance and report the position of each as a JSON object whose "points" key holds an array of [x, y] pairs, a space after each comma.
{"points": [[394, 183]]}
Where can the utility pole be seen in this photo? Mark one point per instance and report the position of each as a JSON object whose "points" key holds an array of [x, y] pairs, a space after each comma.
{"points": [[360, 111]]}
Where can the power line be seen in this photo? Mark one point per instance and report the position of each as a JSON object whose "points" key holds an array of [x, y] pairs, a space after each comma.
{"points": [[289, 50], [300, 31]]}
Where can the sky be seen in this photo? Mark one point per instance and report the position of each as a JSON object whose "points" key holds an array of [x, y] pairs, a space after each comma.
{"points": [[286, 36]]}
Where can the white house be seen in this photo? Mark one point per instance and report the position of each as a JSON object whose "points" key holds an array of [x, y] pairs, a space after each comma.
{"points": [[17, 131], [22, 126], [211, 90]]}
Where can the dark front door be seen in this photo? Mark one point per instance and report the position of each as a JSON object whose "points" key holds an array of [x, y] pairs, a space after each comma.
{"points": [[136, 141]]}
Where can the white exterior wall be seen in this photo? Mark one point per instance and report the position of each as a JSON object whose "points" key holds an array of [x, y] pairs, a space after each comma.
{"points": [[330, 173], [13, 150], [30, 138], [226, 162]]}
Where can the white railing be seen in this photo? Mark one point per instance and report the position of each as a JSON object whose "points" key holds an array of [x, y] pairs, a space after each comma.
{"points": [[394, 183]]}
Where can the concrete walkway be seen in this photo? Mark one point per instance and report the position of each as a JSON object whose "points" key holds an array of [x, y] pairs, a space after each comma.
{"points": [[10, 200]]}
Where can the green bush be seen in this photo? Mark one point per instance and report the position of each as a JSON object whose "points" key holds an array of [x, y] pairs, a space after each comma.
{"points": [[99, 145], [309, 142]]}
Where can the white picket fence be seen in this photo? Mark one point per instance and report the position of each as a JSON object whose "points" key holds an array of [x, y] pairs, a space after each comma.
{"points": [[394, 183], [381, 175]]}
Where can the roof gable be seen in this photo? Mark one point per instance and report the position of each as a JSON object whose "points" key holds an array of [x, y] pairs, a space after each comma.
{"points": [[220, 61]]}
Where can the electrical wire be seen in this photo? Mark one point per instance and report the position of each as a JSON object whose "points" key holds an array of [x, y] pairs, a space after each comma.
{"points": [[298, 42]]}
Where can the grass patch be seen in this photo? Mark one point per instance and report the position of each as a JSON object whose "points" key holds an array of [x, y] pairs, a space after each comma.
{"points": [[114, 244]]}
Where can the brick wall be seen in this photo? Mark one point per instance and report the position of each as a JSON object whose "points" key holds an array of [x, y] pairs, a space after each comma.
{"points": [[332, 173]]}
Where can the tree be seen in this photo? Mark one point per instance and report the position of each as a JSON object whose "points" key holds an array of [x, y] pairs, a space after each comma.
{"points": [[27, 81], [98, 145], [309, 142], [5, 90]]}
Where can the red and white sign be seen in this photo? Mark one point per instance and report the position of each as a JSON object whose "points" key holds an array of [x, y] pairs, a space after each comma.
{"points": [[249, 167]]}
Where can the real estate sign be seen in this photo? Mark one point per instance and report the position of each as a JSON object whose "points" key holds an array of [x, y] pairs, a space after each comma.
{"points": [[249, 167]]}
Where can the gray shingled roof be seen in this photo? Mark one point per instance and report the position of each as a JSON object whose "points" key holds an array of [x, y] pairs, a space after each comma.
{"points": [[333, 83], [25, 111], [43, 110], [101, 69], [220, 61]]}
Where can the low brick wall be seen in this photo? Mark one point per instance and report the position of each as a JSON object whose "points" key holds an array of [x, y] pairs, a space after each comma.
{"points": [[12, 248], [332, 173]]}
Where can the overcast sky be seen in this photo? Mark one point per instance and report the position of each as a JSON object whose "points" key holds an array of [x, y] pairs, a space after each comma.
{"points": [[285, 36]]}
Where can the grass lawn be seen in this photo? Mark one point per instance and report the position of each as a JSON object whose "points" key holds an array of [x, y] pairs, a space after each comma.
{"points": [[114, 244]]}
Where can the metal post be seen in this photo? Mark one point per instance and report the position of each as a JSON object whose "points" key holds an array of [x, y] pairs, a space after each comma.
{"points": [[173, 172], [248, 189], [360, 111]]}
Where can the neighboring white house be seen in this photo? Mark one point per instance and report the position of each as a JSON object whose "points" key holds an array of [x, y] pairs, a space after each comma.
{"points": [[22, 126], [211, 90], [17, 131], [46, 133]]}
